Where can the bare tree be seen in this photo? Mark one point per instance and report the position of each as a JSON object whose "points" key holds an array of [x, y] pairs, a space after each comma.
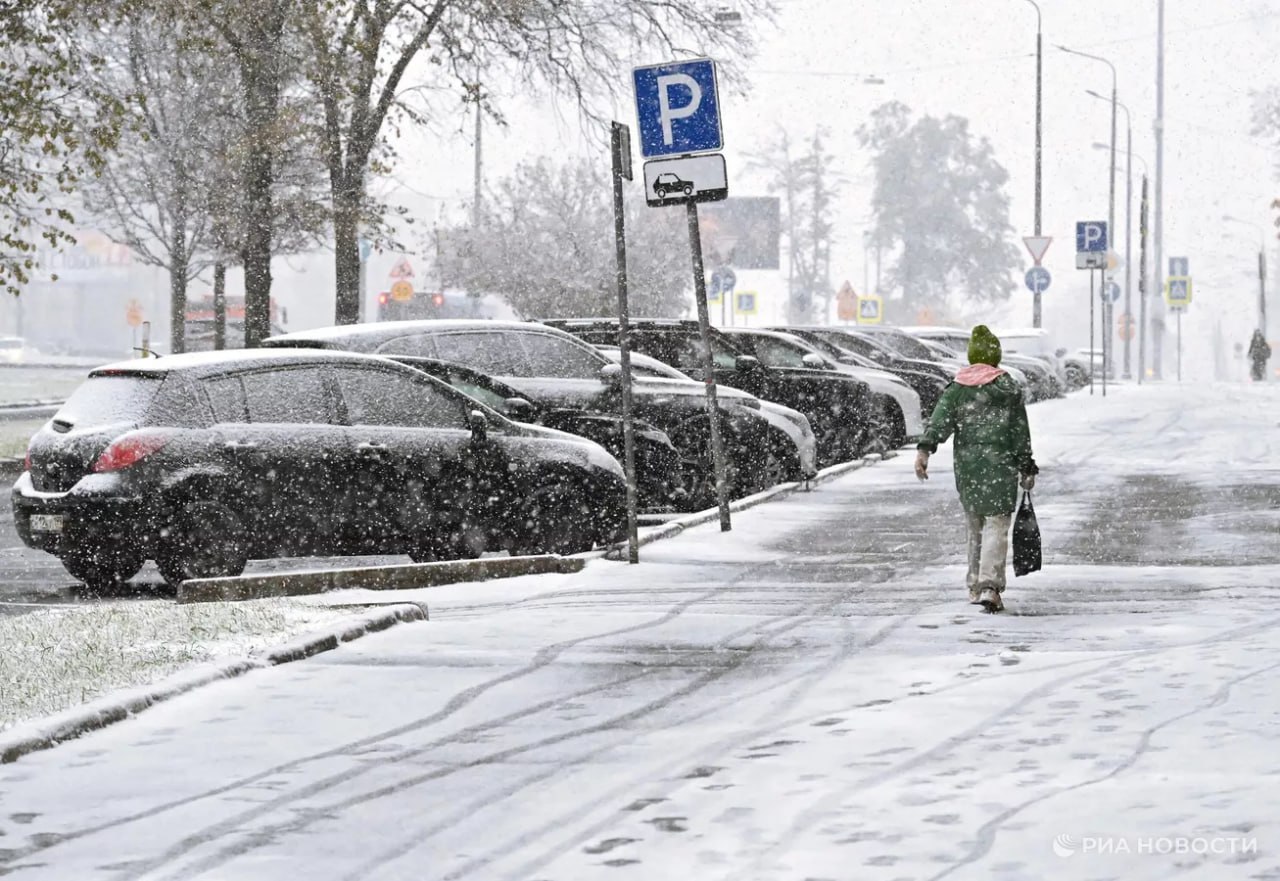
{"points": [[52, 129], [809, 187], [546, 245], [363, 50]]}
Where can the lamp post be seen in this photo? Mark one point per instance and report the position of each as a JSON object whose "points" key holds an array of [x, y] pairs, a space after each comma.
{"points": [[1128, 221], [1262, 268], [1111, 210], [1036, 310]]}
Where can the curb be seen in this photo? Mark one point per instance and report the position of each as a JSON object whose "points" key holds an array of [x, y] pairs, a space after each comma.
{"points": [[674, 527], [394, 577], [29, 737]]}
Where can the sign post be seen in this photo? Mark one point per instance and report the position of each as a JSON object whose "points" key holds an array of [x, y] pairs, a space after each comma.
{"points": [[678, 115], [870, 309], [621, 143], [1091, 254], [1037, 244]]}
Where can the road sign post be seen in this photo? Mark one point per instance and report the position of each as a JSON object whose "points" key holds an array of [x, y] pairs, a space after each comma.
{"points": [[621, 144], [870, 309], [1037, 244], [678, 114], [1091, 254], [1038, 280]]}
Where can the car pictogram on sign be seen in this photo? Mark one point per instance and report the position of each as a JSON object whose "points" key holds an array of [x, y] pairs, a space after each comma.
{"points": [[666, 184]]}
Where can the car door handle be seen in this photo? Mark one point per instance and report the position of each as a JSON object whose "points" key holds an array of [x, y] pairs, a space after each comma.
{"points": [[371, 450], [241, 445]]}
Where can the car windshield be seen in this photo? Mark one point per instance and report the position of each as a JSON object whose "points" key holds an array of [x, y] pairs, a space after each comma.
{"points": [[906, 345], [106, 400]]}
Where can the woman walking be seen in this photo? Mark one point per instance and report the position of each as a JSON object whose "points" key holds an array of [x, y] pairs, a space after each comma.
{"points": [[985, 410]]}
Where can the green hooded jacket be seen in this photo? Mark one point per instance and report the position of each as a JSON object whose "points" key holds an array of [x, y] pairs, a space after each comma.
{"points": [[992, 439]]}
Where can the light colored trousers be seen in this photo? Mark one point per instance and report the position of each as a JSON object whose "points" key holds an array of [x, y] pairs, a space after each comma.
{"points": [[988, 550]]}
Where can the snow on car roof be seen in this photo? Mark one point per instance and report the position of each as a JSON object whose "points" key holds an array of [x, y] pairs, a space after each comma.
{"points": [[390, 329], [224, 358]]}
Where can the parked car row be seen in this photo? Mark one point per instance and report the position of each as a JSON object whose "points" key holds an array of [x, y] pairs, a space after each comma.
{"points": [[444, 438]]}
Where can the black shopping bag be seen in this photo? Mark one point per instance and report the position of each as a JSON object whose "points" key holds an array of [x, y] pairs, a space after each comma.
{"points": [[1026, 539]]}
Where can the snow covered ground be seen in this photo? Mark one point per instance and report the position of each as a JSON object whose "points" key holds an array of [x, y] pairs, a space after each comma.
{"points": [[808, 697]]}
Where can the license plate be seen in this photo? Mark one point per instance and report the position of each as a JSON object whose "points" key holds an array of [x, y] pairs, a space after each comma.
{"points": [[46, 523]]}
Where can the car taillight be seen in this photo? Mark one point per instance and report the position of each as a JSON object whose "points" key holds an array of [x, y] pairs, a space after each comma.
{"points": [[129, 449], [26, 463]]}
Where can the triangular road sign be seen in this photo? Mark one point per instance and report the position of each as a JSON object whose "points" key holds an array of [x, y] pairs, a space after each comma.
{"points": [[1037, 245], [402, 269]]}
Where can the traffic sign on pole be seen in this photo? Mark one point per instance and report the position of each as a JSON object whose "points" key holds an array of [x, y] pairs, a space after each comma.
{"points": [[746, 302], [870, 309], [133, 314], [685, 179], [1177, 292], [1091, 244], [1038, 279], [677, 108], [1125, 326], [1179, 267], [402, 269], [1036, 246], [1110, 292]]}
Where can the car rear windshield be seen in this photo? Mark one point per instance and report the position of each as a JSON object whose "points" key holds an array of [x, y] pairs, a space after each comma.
{"points": [[104, 400]]}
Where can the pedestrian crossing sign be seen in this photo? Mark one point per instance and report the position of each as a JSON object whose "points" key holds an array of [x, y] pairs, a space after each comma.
{"points": [[1177, 292], [870, 309]]}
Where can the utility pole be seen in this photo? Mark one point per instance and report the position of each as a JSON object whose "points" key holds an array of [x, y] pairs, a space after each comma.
{"points": [[1157, 327], [1142, 285], [1128, 244], [1036, 309]]}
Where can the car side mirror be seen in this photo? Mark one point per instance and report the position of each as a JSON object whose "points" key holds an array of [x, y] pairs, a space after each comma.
{"points": [[479, 425], [814, 360], [520, 410], [611, 375], [746, 362]]}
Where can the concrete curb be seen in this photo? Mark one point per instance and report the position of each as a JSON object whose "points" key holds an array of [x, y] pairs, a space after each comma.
{"points": [[675, 527], [47, 733], [396, 577]]}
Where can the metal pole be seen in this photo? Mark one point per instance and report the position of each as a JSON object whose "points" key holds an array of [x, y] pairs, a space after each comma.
{"points": [[708, 366], [1128, 245], [1092, 296], [1157, 339], [1262, 289], [1111, 239], [622, 169], [1037, 303], [1142, 286], [1179, 345]]}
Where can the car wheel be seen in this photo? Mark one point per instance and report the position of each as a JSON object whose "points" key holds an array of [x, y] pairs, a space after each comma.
{"points": [[1076, 377], [455, 541], [553, 523], [697, 474], [102, 571], [204, 540], [688, 189]]}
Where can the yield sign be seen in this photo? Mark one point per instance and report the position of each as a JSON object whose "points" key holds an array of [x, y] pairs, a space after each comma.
{"points": [[1037, 245]]}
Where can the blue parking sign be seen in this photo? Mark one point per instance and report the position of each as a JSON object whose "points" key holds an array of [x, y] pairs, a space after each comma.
{"points": [[1091, 235], [677, 108]]}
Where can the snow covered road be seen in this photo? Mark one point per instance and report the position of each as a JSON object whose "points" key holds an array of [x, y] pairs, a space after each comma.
{"points": [[809, 697]]}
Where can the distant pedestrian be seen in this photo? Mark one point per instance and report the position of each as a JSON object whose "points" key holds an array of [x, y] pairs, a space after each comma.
{"points": [[1259, 355], [985, 410]]}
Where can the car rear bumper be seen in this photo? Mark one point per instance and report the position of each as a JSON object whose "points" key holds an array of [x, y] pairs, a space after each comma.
{"points": [[86, 517]]}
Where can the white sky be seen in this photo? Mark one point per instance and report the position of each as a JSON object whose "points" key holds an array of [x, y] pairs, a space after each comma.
{"points": [[977, 60]]}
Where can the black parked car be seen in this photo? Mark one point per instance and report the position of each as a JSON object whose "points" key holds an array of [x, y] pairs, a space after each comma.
{"points": [[657, 459], [928, 384], [837, 406], [554, 370], [204, 461]]}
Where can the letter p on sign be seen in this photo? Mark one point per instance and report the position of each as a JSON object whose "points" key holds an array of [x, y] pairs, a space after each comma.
{"points": [[666, 113]]}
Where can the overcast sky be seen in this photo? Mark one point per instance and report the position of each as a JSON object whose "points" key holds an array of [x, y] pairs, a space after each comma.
{"points": [[976, 59]]}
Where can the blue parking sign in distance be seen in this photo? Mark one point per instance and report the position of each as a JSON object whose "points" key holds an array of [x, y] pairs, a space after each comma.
{"points": [[1091, 235], [677, 108]]}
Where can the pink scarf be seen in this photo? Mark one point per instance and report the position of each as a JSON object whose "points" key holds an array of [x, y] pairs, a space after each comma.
{"points": [[978, 374]]}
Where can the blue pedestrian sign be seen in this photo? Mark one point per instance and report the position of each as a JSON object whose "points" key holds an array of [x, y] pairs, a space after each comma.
{"points": [[1177, 292], [677, 108], [1179, 267], [1038, 279], [1110, 292], [1091, 235]]}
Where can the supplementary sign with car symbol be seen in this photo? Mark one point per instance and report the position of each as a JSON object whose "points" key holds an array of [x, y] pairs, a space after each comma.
{"points": [[687, 179], [1091, 244]]}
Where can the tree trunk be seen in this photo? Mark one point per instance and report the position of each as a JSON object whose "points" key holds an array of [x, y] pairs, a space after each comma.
{"points": [[219, 305], [348, 196], [178, 262]]}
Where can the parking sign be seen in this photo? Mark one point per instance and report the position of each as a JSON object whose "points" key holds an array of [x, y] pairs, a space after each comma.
{"points": [[677, 108]]}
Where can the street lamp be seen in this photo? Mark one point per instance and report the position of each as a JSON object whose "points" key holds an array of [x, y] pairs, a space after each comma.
{"points": [[1128, 223], [1262, 268], [1036, 308], [1111, 211]]}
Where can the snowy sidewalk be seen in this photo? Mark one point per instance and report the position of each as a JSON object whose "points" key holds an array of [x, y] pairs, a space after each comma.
{"points": [[809, 697]]}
